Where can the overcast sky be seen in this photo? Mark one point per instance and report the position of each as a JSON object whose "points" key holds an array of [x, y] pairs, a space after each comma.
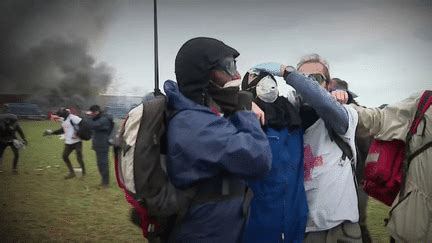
{"points": [[382, 48]]}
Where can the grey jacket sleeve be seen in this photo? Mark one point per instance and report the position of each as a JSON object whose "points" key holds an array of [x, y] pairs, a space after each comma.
{"points": [[332, 112], [392, 122]]}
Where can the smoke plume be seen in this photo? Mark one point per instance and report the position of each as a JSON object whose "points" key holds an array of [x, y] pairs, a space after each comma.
{"points": [[44, 50]]}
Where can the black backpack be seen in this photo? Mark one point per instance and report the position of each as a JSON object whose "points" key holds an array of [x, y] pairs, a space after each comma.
{"points": [[82, 129]]}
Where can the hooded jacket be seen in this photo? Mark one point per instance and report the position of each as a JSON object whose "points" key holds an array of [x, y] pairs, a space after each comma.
{"points": [[194, 61], [102, 127], [212, 153], [410, 219], [8, 128]]}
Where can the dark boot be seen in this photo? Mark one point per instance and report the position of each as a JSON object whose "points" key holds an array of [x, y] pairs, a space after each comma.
{"points": [[70, 175]]}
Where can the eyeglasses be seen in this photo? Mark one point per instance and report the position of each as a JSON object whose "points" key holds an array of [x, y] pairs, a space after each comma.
{"points": [[228, 65], [318, 77]]}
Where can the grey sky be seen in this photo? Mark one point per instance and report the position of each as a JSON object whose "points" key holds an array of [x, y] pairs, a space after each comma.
{"points": [[382, 48]]}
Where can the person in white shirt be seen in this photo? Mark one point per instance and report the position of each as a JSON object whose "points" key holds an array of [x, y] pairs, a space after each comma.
{"points": [[329, 180], [72, 141], [328, 170]]}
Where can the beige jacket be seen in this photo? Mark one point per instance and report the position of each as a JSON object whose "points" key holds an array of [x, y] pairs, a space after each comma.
{"points": [[410, 220]]}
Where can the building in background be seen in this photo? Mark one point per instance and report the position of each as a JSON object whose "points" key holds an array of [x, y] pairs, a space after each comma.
{"points": [[118, 105]]}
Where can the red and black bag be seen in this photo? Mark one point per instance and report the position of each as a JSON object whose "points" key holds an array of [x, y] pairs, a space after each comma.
{"points": [[388, 162]]}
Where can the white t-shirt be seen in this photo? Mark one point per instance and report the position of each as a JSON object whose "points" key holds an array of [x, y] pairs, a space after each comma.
{"points": [[69, 130], [329, 182]]}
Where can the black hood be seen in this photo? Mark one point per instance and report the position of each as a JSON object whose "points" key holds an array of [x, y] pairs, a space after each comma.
{"points": [[194, 61]]}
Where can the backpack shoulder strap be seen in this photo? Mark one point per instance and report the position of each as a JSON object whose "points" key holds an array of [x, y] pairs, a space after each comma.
{"points": [[346, 151], [344, 146], [419, 151], [73, 124], [422, 107]]}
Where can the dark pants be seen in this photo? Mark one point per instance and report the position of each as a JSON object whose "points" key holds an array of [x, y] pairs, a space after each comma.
{"points": [[363, 202], [3, 147], [68, 150], [102, 163]]}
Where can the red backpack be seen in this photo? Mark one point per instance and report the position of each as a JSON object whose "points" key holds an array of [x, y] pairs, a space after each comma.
{"points": [[387, 162]]}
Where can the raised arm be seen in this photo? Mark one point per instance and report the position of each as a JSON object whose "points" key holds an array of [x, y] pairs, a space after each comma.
{"points": [[332, 112], [389, 123]]}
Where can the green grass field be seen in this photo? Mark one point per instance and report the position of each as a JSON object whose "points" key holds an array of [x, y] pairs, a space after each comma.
{"points": [[38, 205]]}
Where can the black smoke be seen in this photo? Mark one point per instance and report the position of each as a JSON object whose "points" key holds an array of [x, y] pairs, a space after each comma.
{"points": [[44, 50]]}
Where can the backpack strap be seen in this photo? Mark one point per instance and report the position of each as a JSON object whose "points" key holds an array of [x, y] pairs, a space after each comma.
{"points": [[346, 152], [422, 107], [344, 146], [419, 151], [73, 125], [216, 189]]}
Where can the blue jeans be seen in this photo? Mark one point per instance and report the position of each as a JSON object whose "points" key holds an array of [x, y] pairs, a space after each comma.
{"points": [[102, 163]]}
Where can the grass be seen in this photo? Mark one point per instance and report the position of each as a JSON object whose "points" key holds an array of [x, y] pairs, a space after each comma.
{"points": [[38, 205]]}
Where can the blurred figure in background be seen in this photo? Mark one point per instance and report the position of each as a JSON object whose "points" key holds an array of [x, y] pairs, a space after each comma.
{"points": [[102, 126], [8, 128], [72, 141]]}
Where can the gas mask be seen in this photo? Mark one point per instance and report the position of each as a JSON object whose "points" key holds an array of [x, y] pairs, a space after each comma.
{"points": [[262, 85], [267, 89]]}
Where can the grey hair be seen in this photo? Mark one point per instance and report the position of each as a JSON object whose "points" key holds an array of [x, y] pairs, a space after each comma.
{"points": [[314, 58]]}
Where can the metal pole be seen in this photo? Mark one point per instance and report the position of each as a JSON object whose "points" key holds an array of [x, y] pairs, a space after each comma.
{"points": [[156, 57]]}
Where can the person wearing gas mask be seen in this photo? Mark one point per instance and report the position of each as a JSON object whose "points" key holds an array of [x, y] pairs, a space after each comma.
{"points": [[72, 142], [328, 166], [9, 126], [214, 142], [279, 208]]}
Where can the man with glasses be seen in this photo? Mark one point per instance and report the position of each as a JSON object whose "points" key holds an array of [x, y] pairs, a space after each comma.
{"points": [[329, 151]]}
